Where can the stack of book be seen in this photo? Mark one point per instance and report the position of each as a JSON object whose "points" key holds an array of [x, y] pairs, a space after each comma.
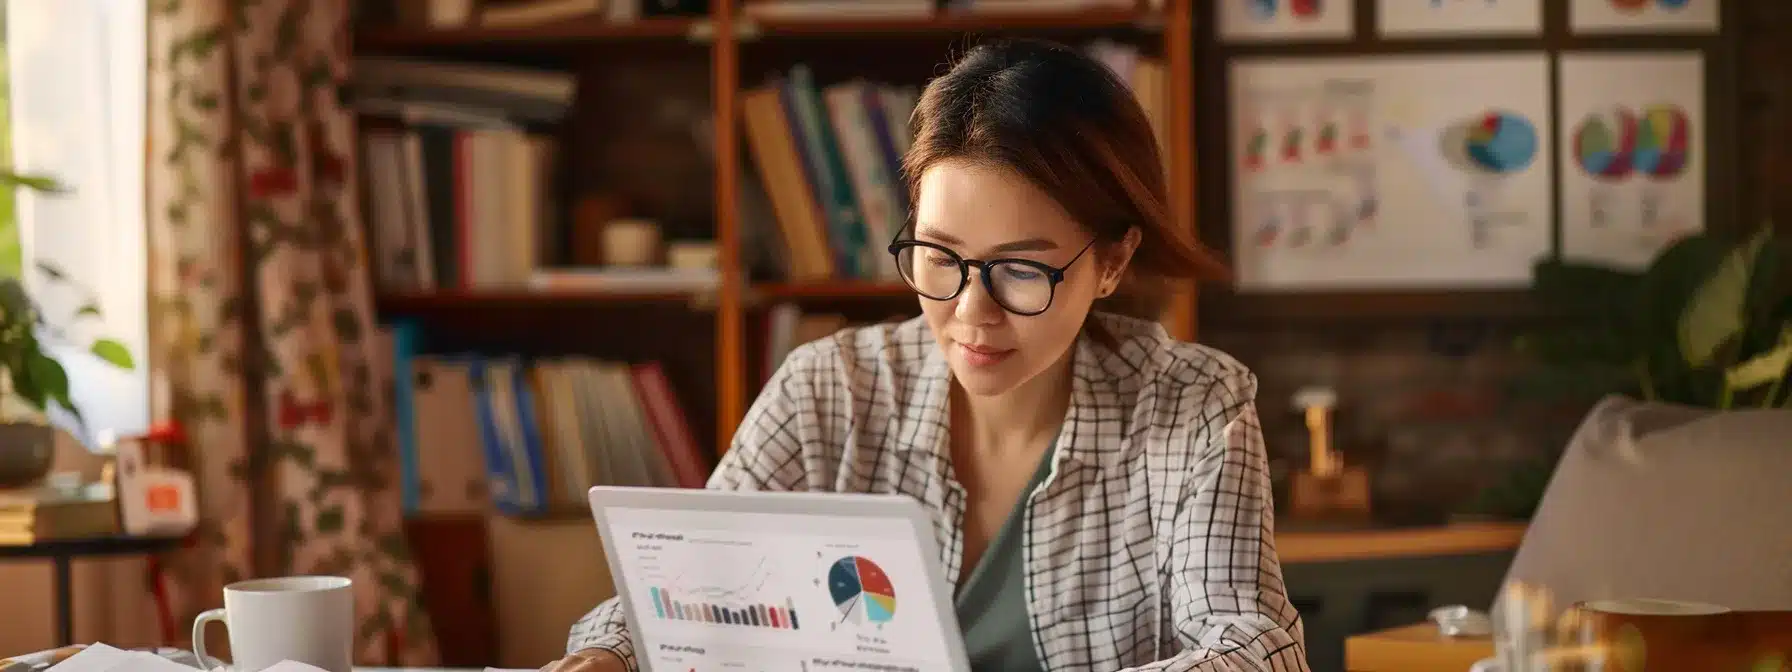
{"points": [[32, 516]]}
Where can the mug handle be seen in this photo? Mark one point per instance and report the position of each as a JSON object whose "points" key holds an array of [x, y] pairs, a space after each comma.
{"points": [[199, 634]]}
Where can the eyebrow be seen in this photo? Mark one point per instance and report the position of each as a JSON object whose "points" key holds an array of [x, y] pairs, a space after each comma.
{"points": [[1024, 245]]}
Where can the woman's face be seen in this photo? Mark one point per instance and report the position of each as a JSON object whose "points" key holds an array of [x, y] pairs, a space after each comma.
{"points": [[987, 213]]}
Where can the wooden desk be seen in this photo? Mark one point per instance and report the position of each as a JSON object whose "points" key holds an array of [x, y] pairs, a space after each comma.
{"points": [[1749, 638], [1294, 545], [1413, 648]]}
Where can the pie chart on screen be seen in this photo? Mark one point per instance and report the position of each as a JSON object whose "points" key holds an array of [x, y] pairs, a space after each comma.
{"points": [[861, 591]]}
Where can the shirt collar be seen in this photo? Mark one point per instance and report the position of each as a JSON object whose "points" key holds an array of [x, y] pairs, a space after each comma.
{"points": [[1104, 383]]}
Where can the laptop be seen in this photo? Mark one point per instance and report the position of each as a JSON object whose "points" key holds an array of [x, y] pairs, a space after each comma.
{"points": [[807, 582]]}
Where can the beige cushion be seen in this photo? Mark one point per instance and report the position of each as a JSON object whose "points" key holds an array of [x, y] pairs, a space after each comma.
{"points": [[1667, 502]]}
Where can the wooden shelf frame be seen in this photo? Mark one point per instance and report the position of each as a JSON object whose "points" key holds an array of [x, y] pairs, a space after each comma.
{"points": [[723, 33]]}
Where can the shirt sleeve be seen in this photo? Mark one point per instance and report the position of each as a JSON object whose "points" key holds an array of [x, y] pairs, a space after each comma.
{"points": [[765, 454], [1227, 599]]}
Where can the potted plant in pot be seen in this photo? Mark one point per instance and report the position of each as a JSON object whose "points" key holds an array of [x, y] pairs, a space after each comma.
{"points": [[33, 379], [1707, 324]]}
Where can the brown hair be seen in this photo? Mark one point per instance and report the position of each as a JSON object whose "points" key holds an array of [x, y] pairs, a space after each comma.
{"points": [[1065, 122]]}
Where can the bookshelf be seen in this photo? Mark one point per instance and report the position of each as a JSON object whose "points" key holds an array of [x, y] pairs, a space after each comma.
{"points": [[736, 49]]}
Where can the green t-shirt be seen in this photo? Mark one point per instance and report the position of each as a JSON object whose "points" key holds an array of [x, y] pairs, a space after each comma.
{"points": [[992, 603]]}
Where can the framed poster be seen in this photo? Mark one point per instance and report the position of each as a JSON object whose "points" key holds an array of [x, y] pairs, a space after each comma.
{"points": [[1633, 153], [1644, 16], [1290, 20], [1459, 18], [1386, 172]]}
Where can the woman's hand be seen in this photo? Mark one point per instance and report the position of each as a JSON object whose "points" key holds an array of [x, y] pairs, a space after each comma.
{"points": [[589, 660]]}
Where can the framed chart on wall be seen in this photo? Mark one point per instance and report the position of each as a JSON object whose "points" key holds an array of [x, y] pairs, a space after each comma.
{"points": [[1645, 16], [1387, 173], [1633, 157], [1459, 18], [1286, 20]]}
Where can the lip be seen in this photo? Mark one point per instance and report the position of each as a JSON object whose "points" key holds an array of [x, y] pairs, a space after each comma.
{"points": [[983, 355]]}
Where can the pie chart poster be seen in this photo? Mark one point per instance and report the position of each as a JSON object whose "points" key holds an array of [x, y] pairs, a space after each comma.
{"points": [[1633, 158]]}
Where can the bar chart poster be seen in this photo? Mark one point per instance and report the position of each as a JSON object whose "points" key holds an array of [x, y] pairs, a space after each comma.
{"points": [[770, 592]]}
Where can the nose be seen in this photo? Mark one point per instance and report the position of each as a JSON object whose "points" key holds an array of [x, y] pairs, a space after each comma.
{"points": [[975, 305]]}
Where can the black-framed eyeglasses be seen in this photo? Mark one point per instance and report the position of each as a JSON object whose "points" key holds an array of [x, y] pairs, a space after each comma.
{"points": [[1021, 286]]}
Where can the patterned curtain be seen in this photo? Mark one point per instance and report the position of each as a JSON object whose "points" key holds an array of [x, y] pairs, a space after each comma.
{"points": [[262, 314]]}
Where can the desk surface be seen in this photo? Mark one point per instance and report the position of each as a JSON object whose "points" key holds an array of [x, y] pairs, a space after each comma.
{"points": [[1414, 648], [1397, 542], [91, 546]]}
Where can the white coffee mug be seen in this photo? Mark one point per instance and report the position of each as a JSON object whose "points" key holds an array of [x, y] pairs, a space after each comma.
{"points": [[306, 619]]}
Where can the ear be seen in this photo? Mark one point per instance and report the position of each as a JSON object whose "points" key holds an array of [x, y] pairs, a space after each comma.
{"points": [[1115, 259]]}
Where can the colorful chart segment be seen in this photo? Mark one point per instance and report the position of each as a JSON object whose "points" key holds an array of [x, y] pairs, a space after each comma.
{"points": [[1656, 143], [1633, 6], [1502, 142], [752, 615], [861, 591], [1266, 10], [1662, 142]]}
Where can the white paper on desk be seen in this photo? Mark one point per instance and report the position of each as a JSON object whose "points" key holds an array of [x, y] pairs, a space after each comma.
{"points": [[102, 658], [291, 666]]}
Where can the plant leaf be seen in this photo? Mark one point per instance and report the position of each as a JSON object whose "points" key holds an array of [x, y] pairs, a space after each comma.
{"points": [[51, 380], [1717, 312], [1763, 368], [114, 353], [92, 309], [51, 270], [1591, 307], [23, 386], [1668, 287], [34, 182]]}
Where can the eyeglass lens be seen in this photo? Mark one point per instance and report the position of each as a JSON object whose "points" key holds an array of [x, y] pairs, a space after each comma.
{"points": [[939, 275]]}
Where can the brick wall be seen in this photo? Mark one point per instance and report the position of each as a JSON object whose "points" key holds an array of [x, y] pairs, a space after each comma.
{"points": [[1437, 416]]}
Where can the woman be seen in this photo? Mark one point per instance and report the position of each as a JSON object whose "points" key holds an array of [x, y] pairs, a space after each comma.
{"points": [[1101, 489]]}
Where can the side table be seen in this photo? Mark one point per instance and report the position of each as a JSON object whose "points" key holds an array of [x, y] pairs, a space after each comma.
{"points": [[61, 554], [1414, 648]]}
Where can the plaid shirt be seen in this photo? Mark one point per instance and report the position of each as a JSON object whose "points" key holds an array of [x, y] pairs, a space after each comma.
{"points": [[1150, 547]]}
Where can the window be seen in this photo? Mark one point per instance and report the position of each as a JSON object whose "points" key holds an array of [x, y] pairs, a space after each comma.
{"points": [[76, 72]]}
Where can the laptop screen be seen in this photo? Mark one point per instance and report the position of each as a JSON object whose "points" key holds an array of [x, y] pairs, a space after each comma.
{"points": [[765, 591]]}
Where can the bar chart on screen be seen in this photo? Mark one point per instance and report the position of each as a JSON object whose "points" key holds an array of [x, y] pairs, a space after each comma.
{"points": [[669, 605]]}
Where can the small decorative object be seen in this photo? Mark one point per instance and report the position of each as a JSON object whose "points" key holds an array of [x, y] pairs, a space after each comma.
{"points": [[33, 378], [1329, 489], [154, 498], [693, 255], [589, 217], [631, 242], [1459, 620]]}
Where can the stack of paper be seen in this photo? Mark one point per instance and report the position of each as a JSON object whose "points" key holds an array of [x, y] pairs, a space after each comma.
{"points": [[102, 658]]}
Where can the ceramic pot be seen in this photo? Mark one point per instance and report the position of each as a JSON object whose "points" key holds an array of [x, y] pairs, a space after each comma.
{"points": [[27, 451]]}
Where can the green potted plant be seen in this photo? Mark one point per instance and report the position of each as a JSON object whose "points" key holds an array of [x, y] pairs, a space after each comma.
{"points": [[32, 377], [1708, 324]]}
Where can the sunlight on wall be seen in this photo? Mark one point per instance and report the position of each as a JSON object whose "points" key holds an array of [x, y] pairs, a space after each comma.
{"points": [[9, 227], [77, 90]]}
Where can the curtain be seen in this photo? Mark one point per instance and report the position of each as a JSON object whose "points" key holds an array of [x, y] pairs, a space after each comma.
{"points": [[264, 344]]}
